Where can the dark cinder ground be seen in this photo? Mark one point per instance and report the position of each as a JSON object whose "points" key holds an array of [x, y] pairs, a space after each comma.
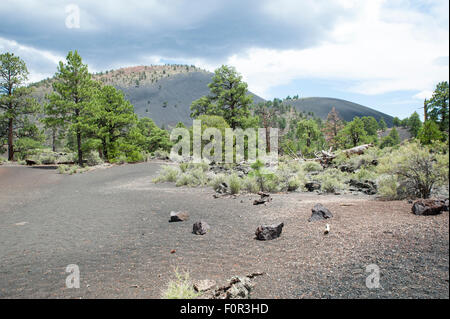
{"points": [[113, 223]]}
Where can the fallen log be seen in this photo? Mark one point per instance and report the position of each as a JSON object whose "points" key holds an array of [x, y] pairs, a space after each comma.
{"points": [[359, 150]]}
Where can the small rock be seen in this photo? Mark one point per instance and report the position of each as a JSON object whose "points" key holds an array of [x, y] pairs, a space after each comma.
{"points": [[320, 212], [204, 285], [269, 232], [427, 207], [312, 186], [200, 228], [178, 217]]}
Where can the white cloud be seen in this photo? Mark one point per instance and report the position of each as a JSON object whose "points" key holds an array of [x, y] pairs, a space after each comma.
{"points": [[40, 63], [382, 49]]}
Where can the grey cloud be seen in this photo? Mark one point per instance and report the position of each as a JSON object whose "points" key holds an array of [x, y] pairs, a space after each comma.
{"points": [[113, 31]]}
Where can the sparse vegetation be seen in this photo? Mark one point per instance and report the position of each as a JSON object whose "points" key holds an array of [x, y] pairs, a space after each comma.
{"points": [[180, 288]]}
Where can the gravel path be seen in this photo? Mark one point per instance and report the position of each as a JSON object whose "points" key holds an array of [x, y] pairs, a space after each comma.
{"points": [[113, 223]]}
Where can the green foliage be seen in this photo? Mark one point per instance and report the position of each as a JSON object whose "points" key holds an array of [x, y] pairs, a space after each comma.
{"points": [[429, 133], [353, 134], [235, 183], [251, 184], [168, 173], [93, 158], [437, 106], [387, 186], [309, 135], [72, 104], [312, 166], [382, 124], [16, 103], [332, 180], [414, 124], [370, 125], [391, 139], [113, 116], [416, 168], [180, 288], [229, 98]]}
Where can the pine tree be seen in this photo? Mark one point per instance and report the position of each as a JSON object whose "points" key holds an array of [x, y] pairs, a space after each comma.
{"points": [[382, 124], [353, 133], [437, 106], [229, 97], [114, 116], [15, 101], [414, 124], [72, 102]]}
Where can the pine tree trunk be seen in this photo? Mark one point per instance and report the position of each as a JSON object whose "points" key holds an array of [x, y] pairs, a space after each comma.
{"points": [[80, 152], [54, 140], [10, 141]]}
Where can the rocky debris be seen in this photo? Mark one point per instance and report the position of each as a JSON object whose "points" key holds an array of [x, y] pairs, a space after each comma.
{"points": [[30, 162], [241, 169], [320, 212], [223, 188], [367, 187], [238, 287], [264, 198], [204, 285], [200, 228], [427, 207], [178, 217], [346, 168], [312, 186], [269, 232]]}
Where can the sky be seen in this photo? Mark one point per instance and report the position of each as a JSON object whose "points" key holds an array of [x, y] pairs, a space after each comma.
{"points": [[384, 54]]}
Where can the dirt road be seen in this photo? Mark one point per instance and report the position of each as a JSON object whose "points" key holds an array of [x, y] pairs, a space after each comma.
{"points": [[113, 224]]}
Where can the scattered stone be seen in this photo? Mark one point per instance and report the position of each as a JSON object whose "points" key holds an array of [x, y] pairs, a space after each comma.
{"points": [[237, 288], [367, 187], [269, 232], [222, 188], [265, 198], [200, 228], [204, 285], [347, 168], [30, 162], [312, 186], [173, 251], [425, 207], [320, 212], [178, 217]]}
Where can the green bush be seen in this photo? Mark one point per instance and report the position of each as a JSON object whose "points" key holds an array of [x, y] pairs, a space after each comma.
{"points": [[168, 173], [194, 177], [387, 186], [180, 288], [93, 158], [235, 184], [331, 184], [161, 154], [217, 180], [418, 168], [311, 166], [250, 184]]}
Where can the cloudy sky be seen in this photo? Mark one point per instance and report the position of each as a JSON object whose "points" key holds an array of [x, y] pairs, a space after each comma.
{"points": [[385, 54]]}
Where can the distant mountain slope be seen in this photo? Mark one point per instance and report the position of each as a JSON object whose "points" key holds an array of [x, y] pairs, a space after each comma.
{"points": [[165, 93], [321, 106], [161, 92]]}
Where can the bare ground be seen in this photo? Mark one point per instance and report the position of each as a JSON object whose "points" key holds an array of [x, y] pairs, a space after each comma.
{"points": [[113, 224]]}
